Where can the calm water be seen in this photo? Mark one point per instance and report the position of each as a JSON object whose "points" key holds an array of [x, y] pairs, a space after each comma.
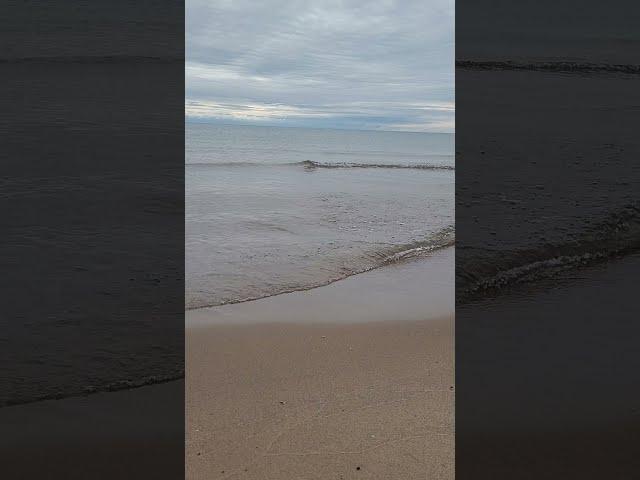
{"points": [[270, 210]]}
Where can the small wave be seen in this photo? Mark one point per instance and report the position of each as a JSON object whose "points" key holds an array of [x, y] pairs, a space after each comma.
{"points": [[439, 240], [311, 165], [485, 275], [555, 67]]}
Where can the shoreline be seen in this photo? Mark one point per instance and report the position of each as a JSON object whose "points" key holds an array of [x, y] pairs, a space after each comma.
{"points": [[416, 289], [443, 239], [355, 377]]}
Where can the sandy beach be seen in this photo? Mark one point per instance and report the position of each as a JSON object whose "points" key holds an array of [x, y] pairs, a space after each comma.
{"points": [[338, 398]]}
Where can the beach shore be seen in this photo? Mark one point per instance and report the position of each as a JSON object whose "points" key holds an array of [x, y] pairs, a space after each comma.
{"points": [[351, 380]]}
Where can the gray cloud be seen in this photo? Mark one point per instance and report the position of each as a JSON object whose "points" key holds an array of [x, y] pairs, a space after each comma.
{"points": [[348, 64]]}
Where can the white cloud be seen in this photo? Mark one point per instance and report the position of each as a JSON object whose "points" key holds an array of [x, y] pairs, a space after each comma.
{"points": [[249, 111], [359, 64]]}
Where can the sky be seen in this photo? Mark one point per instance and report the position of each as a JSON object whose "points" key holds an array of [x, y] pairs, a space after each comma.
{"points": [[351, 64]]}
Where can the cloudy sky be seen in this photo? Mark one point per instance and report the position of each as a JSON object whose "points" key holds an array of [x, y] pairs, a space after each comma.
{"points": [[361, 64]]}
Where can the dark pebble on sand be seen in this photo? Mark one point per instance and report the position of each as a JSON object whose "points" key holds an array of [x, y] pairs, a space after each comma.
{"points": [[357, 468]]}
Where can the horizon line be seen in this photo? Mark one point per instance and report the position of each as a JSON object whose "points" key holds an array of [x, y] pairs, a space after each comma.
{"points": [[239, 124]]}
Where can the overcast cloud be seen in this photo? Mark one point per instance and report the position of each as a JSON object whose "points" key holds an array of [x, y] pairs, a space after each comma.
{"points": [[376, 64]]}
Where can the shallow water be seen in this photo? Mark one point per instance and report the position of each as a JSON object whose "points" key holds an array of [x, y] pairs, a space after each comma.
{"points": [[267, 211], [419, 290]]}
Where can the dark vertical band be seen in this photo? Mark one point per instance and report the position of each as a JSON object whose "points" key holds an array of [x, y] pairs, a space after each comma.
{"points": [[547, 224], [91, 332]]}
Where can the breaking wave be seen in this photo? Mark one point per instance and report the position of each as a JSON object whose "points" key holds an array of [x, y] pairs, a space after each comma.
{"points": [[311, 165], [480, 275], [419, 166]]}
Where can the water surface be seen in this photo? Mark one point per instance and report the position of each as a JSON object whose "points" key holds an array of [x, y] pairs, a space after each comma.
{"points": [[271, 210]]}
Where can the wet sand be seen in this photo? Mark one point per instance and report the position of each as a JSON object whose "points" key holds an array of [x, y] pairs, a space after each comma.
{"points": [[338, 398]]}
